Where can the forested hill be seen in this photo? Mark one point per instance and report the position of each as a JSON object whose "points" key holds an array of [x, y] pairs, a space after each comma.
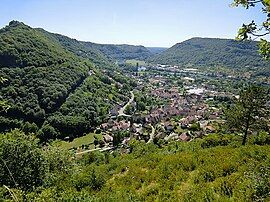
{"points": [[81, 49], [156, 50], [212, 52], [50, 90], [22, 46], [121, 52], [101, 54]]}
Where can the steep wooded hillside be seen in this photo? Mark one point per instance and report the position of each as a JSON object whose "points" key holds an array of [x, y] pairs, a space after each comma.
{"points": [[81, 49], [121, 52], [212, 52], [101, 54], [41, 75], [22, 46]]}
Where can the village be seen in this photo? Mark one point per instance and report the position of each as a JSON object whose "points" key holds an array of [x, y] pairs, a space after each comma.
{"points": [[178, 109]]}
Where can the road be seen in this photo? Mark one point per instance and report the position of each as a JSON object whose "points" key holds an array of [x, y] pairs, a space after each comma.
{"points": [[98, 149], [121, 111], [151, 134]]}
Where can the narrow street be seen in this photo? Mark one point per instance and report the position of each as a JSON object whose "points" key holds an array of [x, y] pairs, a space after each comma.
{"points": [[98, 149], [121, 111], [151, 134]]}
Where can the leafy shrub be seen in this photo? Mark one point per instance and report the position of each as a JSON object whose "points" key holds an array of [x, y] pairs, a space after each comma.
{"points": [[21, 161], [215, 140], [93, 157], [262, 139], [176, 172], [139, 149], [260, 178], [90, 176]]}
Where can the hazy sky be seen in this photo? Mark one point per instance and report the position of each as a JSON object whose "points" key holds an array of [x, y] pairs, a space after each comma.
{"points": [[160, 23]]}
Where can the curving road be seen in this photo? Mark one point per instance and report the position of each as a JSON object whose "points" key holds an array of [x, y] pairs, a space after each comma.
{"points": [[121, 111], [151, 134]]}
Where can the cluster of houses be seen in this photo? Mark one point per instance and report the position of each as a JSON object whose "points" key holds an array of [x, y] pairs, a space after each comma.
{"points": [[189, 109], [166, 94], [181, 113], [178, 108], [113, 125]]}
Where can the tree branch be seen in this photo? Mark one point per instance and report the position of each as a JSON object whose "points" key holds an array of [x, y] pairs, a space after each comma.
{"points": [[259, 35]]}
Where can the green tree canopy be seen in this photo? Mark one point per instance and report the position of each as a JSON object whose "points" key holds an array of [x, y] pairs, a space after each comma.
{"points": [[250, 111], [3, 103]]}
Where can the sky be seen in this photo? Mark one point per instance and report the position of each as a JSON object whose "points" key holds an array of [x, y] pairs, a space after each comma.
{"points": [[152, 23]]}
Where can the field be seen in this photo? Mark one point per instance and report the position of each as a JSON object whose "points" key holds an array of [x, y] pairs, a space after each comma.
{"points": [[134, 62], [80, 141]]}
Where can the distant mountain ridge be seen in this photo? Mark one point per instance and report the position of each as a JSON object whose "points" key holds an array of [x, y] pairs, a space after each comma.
{"points": [[122, 52], [156, 50], [99, 53], [212, 52], [193, 52]]}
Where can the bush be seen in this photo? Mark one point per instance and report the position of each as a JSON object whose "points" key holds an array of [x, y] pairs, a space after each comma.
{"points": [[262, 139], [216, 140], [90, 176], [30, 128], [176, 172], [140, 149], [22, 161], [260, 178], [93, 157]]}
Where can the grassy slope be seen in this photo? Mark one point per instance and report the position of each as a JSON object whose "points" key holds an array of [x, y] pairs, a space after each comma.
{"points": [[219, 174], [195, 171], [78, 142]]}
